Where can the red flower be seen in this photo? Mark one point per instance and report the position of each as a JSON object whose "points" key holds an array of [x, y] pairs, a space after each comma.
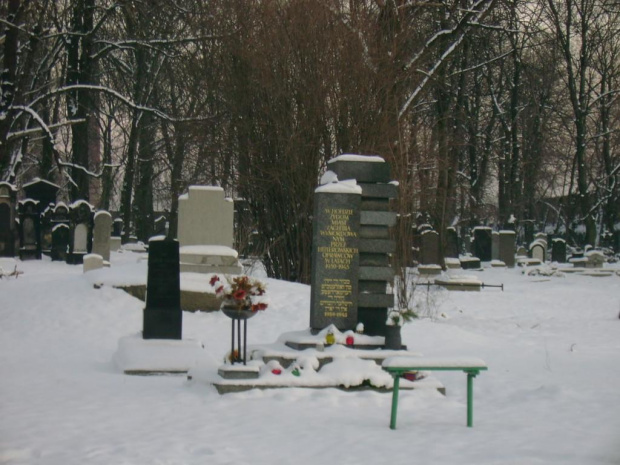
{"points": [[219, 290], [215, 278], [276, 371], [350, 341], [257, 307], [239, 295]]}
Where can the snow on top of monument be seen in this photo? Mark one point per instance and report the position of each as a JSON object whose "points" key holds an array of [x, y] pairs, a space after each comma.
{"points": [[103, 213], [328, 177], [218, 250], [206, 188], [507, 231], [348, 186], [352, 157], [482, 228], [60, 225]]}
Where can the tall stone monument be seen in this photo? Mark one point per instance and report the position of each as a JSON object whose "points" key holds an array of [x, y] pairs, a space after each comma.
{"points": [[483, 243], [429, 253], [372, 175], [507, 242], [81, 235], [335, 256], [163, 318]]}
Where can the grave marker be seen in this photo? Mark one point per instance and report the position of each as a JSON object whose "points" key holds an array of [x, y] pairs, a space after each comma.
{"points": [[101, 234], [558, 250], [507, 241], [483, 243], [163, 318], [430, 248], [8, 232], [335, 258], [29, 230]]}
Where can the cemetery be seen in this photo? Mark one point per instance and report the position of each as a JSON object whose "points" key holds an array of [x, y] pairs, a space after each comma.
{"points": [[185, 334]]}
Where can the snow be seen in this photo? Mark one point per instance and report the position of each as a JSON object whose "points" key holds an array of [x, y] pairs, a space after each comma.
{"points": [[352, 157], [219, 250], [550, 396], [348, 186]]}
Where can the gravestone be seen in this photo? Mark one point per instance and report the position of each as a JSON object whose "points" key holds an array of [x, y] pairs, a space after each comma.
{"points": [[452, 243], [335, 258], [483, 243], [541, 237], [92, 262], [60, 242], [372, 174], [29, 230], [205, 231], [521, 251], [81, 231], [558, 250], [8, 232], [430, 248], [495, 245], [160, 226], [163, 318], [42, 191], [101, 234], [507, 241], [538, 250], [117, 227]]}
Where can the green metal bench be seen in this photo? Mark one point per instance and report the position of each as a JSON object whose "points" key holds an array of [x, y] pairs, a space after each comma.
{"points": [[398, 366]]}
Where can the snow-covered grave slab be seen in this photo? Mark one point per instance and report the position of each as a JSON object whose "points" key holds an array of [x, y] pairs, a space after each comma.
{"points": [[429, 270], [460, 283], [137, 356], [528, 261]]}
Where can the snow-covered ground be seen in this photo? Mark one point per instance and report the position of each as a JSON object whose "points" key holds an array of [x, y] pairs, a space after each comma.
{"points": [[551, 395]]}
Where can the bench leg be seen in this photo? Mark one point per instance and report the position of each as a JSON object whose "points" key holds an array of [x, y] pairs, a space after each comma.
{"points": [[394, 401], [470, 398]]}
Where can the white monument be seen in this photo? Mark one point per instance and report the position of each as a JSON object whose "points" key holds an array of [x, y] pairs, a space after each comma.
{"points": [[205, 232]]}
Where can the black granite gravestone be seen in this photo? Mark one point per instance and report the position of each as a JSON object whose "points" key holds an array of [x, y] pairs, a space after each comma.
{"points": [[60, 242], [558, 250], [335, 260], [117, 227], [163, 318], [483, 243]]}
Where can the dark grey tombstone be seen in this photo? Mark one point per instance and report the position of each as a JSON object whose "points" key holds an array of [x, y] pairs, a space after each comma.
{"points": [[470, 263], [60, 242], [159, 226], [616, 241], [29, 230], [558, 250], [483, 243], [117, 227], [429, 252], [42, 191], [8, 233], [507, 241], [361, 171], [495, 245], [452, 243], [163, 318], [335, 260], [81, 236]]}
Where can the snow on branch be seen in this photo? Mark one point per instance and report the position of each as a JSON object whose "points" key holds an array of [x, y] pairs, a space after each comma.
{"points": [[478, 11], [127, 101]]}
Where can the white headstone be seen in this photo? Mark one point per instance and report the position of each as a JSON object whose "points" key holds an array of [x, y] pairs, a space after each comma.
{"points": [[101, 234], [206, 217], [80, 239], [92, 262]]}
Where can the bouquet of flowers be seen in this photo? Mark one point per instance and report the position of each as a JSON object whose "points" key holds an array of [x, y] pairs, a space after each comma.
{"points": [[241, 291]]}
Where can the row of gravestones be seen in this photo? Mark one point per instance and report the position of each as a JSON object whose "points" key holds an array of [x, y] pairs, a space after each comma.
{"points": [[486, 245]]}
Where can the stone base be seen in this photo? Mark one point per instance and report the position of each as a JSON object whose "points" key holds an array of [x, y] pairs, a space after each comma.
{"points": [[456, 284], [238, 371], [137, 356], [209, 259], [191, 301], [429, 270], [205, 269]]}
